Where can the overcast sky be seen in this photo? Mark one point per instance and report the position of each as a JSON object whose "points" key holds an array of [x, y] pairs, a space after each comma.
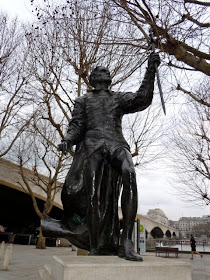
{"points": [[20, 8], [154, 188]]}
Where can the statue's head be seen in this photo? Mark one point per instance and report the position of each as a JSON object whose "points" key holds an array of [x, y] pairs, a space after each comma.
{"points": [[100, 75]]}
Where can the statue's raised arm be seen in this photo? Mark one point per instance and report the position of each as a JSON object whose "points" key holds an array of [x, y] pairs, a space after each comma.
{"points": [[137, 101]]}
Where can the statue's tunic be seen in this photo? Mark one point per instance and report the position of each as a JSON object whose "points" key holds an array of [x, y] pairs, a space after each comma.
{"points": [[97, 116]]}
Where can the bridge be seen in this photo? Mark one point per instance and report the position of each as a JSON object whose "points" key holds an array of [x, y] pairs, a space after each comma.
{"points": [[156, 229], [18, 214]]}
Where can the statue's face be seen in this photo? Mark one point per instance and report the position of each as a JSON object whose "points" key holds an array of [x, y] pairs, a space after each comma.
{"points": [[100, 74]]}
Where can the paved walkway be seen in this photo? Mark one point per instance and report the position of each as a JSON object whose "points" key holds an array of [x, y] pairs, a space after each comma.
{"points": [[26, 261], [200, 266]]}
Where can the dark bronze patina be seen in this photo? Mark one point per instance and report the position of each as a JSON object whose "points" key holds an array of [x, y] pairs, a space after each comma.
{"points": [[101, 166]]}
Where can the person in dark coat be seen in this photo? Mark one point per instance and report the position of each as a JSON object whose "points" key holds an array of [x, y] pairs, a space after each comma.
{"points": [[193, 247]]}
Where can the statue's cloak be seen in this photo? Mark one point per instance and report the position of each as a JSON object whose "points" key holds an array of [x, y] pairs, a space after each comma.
{"points": [[73, 225]]}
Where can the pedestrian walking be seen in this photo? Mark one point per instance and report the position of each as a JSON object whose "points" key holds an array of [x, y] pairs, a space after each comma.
{"points": [[193, 247]]}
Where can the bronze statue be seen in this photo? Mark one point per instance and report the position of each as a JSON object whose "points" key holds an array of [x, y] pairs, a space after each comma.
{"points": [[101, 166]]}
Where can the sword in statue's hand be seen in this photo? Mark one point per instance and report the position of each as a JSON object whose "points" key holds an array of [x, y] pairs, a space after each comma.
{"points": [[157, 72]]}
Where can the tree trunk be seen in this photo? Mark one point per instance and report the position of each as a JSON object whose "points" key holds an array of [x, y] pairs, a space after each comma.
{"points": [[41, 241]]}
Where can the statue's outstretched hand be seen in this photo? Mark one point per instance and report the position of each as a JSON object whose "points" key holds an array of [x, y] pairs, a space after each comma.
{"points": [[154, 58], [63, 146]]}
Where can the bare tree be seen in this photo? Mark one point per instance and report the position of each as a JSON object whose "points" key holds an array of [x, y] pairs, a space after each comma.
{"points": [[90, 34], [144, 134], [12, 82], [182, 35], [10, 40], [192, 151], [35, 153], [201, 229], [181, 28]]}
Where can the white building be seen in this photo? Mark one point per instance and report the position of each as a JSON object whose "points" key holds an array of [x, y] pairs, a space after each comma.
{"points": [[158, 215], [185, 224]]}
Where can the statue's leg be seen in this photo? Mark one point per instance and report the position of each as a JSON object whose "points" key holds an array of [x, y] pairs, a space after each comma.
{"points": [[123, 161], [93, 170]]}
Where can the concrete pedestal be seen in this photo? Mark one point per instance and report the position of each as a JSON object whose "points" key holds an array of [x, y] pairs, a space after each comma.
{"points": [[114, 268]]}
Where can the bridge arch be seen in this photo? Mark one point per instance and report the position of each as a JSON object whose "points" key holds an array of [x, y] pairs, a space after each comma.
{"points": [[174, 234], [157, 232], [150, 224], [168, 234]]}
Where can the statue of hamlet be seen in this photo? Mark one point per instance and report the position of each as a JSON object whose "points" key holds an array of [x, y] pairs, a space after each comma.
{"points": [[102, 165]]}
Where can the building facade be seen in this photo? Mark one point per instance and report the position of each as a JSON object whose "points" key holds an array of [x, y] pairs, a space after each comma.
{"points": [[158, 215], [185, 225]]}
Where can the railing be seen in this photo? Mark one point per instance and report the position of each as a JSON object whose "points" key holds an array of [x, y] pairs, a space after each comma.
{"points": [[183, 245]]}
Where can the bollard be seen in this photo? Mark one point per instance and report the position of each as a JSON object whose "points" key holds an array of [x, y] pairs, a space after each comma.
{"points": [[2, 250], [10, 252], [7, 257]]}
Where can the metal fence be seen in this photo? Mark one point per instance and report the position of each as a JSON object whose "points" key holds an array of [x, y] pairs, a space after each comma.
{"points": [[184, 245]]}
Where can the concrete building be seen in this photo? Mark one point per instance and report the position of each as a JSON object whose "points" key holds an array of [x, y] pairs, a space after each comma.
{"points": [[185, 224], [17, 213], [158, 215]]}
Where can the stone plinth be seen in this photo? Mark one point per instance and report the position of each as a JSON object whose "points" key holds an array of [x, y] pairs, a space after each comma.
{"points": [[114, 268]]}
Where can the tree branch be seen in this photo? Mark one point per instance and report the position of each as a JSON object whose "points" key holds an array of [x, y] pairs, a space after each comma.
{"points": [[201, 101], [196, 21], [36, 208], [197, 2]]}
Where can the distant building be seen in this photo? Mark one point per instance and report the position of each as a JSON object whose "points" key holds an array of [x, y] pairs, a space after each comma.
{"points": [[158, 215], [185, 224], [206, 217]]}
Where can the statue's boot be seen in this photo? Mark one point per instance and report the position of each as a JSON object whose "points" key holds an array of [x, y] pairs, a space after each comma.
{"points": [[126, 251]]}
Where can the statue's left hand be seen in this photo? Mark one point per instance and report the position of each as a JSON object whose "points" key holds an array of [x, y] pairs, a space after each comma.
{"points": [[63, 146]]}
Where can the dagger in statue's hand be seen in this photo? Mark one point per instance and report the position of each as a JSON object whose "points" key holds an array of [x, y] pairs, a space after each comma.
{"points": [[156, 69]]}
